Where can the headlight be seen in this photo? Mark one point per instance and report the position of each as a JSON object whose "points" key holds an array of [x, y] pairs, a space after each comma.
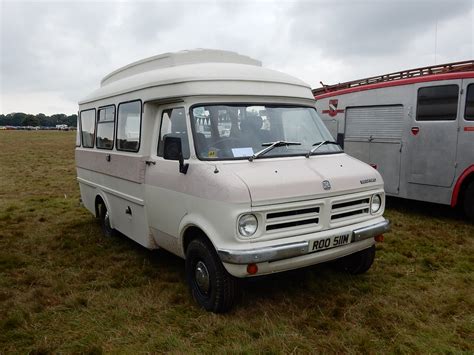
{"points": [[248, 225], [376, 203]]}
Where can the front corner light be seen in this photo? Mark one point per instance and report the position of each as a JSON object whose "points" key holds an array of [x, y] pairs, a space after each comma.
{"points": [[375, 203], [248, 225]]}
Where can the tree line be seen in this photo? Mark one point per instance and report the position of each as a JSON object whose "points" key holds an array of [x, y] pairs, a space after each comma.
{"points": [[42, 120]]}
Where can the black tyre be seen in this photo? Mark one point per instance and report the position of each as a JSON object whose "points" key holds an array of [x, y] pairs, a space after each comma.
{"points": [[104, 218], [211, 285], [357, 263], [468, 201]]}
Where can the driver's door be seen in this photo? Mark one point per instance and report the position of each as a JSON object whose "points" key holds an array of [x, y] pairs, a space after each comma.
{"points": [[165, 186]]}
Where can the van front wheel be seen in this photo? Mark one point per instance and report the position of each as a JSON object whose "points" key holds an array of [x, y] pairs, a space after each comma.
{"points": [[211, 285], [357, 263]]}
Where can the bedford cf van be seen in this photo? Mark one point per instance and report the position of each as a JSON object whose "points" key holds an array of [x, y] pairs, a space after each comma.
{"points": [[226, 164]]}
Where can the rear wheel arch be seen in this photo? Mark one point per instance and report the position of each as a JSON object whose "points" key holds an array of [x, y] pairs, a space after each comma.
{"points": [[464, 180], [98, 201]]}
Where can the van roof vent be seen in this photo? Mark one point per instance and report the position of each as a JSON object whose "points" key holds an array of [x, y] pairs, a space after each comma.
{"points": [[168, 60]]}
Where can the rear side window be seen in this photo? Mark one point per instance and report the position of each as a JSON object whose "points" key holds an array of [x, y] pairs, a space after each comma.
{"points": [[88, 128], [105, 128], [173, 124], [469, 112], [129, 126], [437, 103]]}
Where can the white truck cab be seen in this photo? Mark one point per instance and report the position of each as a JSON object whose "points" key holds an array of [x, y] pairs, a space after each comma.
{"points": [[225, 163]]}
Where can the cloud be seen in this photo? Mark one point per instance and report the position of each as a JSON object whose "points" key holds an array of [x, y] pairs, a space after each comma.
{"points": [[59, 51]]}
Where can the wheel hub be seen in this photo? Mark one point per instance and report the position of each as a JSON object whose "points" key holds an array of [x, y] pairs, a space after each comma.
{"points": [[202, 277], [107, 220]]}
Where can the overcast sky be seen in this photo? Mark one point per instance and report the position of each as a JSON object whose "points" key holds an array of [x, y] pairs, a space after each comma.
{"points": [[55, 53]]}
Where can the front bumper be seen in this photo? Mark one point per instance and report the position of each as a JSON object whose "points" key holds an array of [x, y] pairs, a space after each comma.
{"points": [[291, 250]]}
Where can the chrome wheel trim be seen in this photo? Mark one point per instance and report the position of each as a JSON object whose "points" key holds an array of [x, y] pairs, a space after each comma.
{"points": [[201, 275]]}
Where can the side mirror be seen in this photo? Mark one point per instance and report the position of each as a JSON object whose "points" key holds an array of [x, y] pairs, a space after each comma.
{"points": [[172, 150]]}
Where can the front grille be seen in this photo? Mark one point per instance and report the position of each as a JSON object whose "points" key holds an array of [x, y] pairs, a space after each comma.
{"points": [[349, 209], [305, 217]]}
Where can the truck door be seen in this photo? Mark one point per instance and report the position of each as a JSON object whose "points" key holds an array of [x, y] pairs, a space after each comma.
{"points": [[373, 135], [165, 186], [465, 153], [432, 140]]}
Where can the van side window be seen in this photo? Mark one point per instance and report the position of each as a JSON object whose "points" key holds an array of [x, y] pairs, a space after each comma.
{"points": [[105, 128], [437, 103], [173, 124], [88, 128], [129, 126], [469, 111]]}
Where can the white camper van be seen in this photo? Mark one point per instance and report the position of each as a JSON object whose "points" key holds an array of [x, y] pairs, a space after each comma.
{"points": [[224, 163], [416, 127]]}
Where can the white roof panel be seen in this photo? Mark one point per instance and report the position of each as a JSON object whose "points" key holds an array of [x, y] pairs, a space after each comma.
{"points": [[210, 66]]}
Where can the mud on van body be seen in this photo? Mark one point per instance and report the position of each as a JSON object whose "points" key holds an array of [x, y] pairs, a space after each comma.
{"points": [[222, 162], [416, 127]]}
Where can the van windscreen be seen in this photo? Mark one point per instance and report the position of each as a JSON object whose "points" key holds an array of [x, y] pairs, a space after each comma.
{"points": [[223, 132]]}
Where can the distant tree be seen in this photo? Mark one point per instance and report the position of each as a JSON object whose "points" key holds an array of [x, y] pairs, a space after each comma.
{"points": [[71, 120], [40, 119]]}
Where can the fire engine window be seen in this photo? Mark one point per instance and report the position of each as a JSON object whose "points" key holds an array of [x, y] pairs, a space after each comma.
{"points": [[173, 124], [105, 128], [129, 126], [469, 112], [88, 128], [437, 103]]}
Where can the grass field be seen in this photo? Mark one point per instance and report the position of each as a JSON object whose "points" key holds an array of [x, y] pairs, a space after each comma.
{"points": [[66, 288]]}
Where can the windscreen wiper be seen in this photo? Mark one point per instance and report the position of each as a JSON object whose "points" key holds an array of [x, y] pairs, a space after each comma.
{"points": [[269, 146], [317, 145]]}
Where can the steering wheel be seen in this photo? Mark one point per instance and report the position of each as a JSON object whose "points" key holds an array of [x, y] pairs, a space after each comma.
{"points": [[218, 143]]}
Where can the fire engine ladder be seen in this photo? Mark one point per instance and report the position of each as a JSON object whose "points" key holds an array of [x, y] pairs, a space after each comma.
{"points": [[467, 65]]}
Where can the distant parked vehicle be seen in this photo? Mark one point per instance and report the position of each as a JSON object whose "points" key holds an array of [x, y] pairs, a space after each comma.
{"points": [[415, 126], [62, 127]]}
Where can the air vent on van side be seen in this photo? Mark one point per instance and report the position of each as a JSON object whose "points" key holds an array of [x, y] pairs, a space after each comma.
{"points": [[348, 209], [292, 218]]}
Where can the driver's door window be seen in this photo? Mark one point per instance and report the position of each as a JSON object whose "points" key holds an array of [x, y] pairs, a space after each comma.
{"points": [[173, 124]]}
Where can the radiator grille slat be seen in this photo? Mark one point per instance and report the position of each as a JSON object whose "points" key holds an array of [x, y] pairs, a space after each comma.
{"points": [[292, 224], [294, 217], [350, 209]]}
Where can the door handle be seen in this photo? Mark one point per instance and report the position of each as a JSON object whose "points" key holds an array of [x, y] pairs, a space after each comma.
{"points": [[150, 162]]}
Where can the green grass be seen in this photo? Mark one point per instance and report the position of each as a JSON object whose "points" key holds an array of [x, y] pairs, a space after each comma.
{"points": [[66, 288]]}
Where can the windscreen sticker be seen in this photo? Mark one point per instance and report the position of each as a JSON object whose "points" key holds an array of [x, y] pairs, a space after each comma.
{"points": [[211, 154], [242, 152]]}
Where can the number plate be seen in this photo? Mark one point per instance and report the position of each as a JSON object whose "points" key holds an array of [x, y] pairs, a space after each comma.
{"points": [[329, 242]]}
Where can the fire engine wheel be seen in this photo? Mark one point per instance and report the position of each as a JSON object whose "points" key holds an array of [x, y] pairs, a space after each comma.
{"points": [[357, 263], [211, 285], [104, 218], [469, 201]]}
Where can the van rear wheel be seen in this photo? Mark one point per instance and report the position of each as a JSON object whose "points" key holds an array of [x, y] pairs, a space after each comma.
{"points": [[469, 201], [211, 285], [357, 263], [104, 218]]}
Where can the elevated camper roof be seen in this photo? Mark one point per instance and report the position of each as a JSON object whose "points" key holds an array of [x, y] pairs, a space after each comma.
{"points": [[456, 70], [199, 72]]}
